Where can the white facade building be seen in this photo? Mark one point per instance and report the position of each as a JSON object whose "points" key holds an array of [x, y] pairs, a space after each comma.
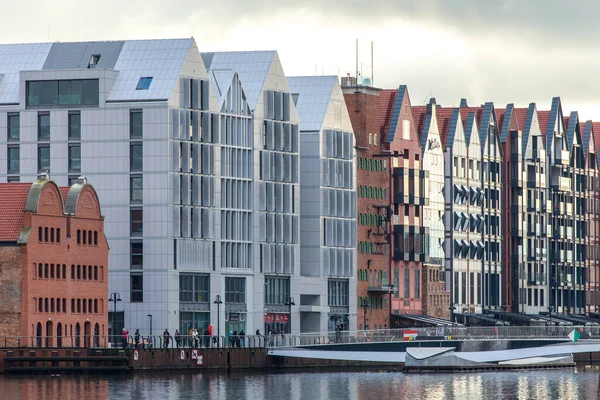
{"points": [[195, 158], [328, 205]]}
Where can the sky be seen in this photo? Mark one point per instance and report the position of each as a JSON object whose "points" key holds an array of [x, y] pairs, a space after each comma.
{"points": [[505, 51]]}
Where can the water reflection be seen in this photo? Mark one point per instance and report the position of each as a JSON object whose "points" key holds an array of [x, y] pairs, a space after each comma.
{"points": [[561, 384]]}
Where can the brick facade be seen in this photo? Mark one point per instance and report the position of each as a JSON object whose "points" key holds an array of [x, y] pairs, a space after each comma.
{"points": [[436, 299], [372, 180], [55, 270]]}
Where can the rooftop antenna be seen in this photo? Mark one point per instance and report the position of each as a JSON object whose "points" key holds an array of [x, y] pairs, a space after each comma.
{"points": [[426, 97]]}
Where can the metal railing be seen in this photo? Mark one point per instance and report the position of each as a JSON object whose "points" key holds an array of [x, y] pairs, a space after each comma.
{"points": [[303, 339]]}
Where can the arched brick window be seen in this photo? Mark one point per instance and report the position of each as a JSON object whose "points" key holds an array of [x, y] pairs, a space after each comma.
{"points": [[34, 276], [46, 271], [58, 305], [84, 238], [89, 273], [40, 271], [40, 235], [57, 235], [51, 235], [57, 271], [35, 305], [72, 272], [95, 238], [52, 305], [46, 234], [51, 271], [90, 238], [40, 305], [64, 274], [95, 306], [46, 304], [78, 236], [64, 301], [102, 273], [72, 306], [78, 272], [90, 305], [78, 305], [84, 273], [84, 306], [95, 272]]}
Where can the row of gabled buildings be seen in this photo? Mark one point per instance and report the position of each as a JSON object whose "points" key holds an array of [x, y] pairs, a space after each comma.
{"points": [[480, 210]]}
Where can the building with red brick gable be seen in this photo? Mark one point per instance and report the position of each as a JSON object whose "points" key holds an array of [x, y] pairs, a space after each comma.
{"points": [[53, 265]]}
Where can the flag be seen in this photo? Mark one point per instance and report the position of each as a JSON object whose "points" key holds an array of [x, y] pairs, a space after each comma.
{"points": [[574, 335]]}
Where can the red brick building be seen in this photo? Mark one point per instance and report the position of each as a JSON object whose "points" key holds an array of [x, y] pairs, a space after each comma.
{"points": [[374, 286], [54, 264]]}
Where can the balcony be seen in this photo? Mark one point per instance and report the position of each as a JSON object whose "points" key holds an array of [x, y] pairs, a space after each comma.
{"points": [[380, 288]]}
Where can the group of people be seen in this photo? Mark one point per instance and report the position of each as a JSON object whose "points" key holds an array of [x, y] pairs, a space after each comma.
{"points": [[237, 339]]}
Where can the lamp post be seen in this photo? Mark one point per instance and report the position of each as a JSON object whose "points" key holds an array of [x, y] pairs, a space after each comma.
{"points": [[150, 315], [364, 305], [114, 297], [218, 302], [550, 309], [290, 303], [452, 308]]}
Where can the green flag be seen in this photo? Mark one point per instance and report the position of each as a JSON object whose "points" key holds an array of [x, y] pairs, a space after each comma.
{"points": [[574, 335]]}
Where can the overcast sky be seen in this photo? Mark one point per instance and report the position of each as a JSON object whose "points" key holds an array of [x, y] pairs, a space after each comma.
{"points": [[502, 51]]}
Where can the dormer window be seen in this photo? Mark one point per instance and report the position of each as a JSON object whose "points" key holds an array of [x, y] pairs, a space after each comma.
{"points": [[144, 83], [94, 59]]}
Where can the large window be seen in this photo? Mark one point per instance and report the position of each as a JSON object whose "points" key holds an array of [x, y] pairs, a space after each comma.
{"points": [[194, 288], [13, 156], [75, 158], [277, 290], [137, 221], [136, 155], [14, 126], [196, 320], [406, 283], [136, 195], [74, 125], [235, 290], [337, 293], [44, 126], [137, 254], [135, 124], [137, 287], [63, 93], [43, 158], [417, 283]]}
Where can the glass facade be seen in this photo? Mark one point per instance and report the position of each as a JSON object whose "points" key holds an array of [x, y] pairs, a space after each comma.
{"points": [[63, 93], [235, 290], [194, 288]]}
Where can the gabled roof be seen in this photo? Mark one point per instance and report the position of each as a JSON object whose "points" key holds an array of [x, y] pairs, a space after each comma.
{"points": [[419, 114], [443, 117], [470, 124], [391, 132], [455, 121], [504, 125], [526, 128], [132, 59], [387, 99], [587, 134], [487, 116], [500, 112], [13, 197], [573, 134], [221, 82], [314, 95], [543, 117], [555, 113], [596, 131], [252, 66], [521, 114]]}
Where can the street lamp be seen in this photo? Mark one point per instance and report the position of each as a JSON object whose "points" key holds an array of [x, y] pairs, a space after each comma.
{"points": [[364, 305], [114, 297], [218, 302], [150, 315], [290, 303], [452, 308]]}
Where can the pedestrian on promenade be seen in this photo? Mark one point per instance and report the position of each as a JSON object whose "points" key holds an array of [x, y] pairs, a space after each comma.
{"points": [[124, 334], [137, 338], [177, 338], [242, 338], [206, 338], [166, 338], [282, 338]]}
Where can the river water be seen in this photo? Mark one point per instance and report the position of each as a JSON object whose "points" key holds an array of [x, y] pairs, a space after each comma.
{"points": [[554, 384]]}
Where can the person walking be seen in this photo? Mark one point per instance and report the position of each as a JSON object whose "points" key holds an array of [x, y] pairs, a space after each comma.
{"points": [[282, 338], [137, 338], [124, 334], [194, 341], [242, 338], [177, 338], [206, 338], [191, 337], [235, 339], [230, 337], [166, 338]]}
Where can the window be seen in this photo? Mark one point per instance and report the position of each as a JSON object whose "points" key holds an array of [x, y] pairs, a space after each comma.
{"points": [[43, 126], [137, 287], [14, 159], [75, 158], [136, 155], [417, 283], [135, 124], [94, 60], [63, 93], [406, 283], [137, 254], [277, 290], [74, 125], [137, 221], [144, 83], [136, 186], [43, 158], [14, 127], [337, 293], [194, 288], [235, 290]]}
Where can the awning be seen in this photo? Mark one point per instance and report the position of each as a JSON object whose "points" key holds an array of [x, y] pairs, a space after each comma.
{"points": [[488, 320]]}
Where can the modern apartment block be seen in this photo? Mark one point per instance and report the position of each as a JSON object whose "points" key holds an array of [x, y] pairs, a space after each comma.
{"points": [[195, 158], [374, 212], [327, 206]]}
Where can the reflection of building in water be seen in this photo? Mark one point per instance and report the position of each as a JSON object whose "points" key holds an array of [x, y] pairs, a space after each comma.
{"points": [[49, 388]]}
